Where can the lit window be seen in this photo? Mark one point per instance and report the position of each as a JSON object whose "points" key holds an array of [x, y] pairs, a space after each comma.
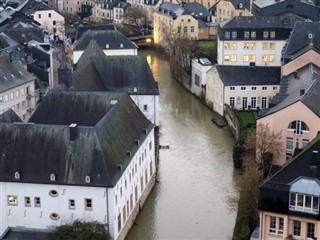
{"points": [[252, 58], [272, 46], [253, 46], [234, 46], [233, 58], [13, 200], [265, 46], [246, 58], [226, 58], [264, 58], [88, 204], [227, 46], [246, 46], [271, 58]]}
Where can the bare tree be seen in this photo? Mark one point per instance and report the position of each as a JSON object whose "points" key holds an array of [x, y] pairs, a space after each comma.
{"points": [[135, 17], [262, 147]]}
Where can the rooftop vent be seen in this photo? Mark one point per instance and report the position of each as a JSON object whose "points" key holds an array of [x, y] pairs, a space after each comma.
{"points": [[88, 179], [144, 130], [310, 36], [52, 177], [107, 45], [119, 166], [137, 142], [121, 45], [129, 153]]}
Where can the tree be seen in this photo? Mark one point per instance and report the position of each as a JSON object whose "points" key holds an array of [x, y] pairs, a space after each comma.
{"points": [[135, 17], [262, 147], [81, 231]]}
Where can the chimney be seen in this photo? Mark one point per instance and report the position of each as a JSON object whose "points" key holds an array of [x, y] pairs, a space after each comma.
{"points": [[73, 131]]}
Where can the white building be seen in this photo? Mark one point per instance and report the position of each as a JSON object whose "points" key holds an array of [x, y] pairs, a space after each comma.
{"points": [[241, 87], [49, 19], [199, 70], [253, 40], [112, 42], [101, 168], [17, 88]]}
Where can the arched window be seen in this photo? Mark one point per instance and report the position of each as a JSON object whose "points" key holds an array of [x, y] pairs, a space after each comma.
{"points": [[298, 126]]}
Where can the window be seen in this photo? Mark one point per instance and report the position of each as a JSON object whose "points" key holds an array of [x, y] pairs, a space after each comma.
{"points": [[246, 34], [197, 80], [253, 88], [11, 96], [272, 225], [13, 200], [185, 29], [141, 183], [264, 88], [264, 102], [296, 228], [49, 15], [289, 145], [234, 35], [253, 34], [227, 46], [265, 34], [119, 222], [253, 102], [233, 58], [146, 176], [265, 46], [226, 58], [275, 88], [232, 88], [264, 58], [192, 29], [6, 98], [88, 204], [281, 226], [244, 102], [305, 142], [189, 20], [54, 22], [298, 127], [151, 170], [310, 230], [304, 203], [145, 107], [252, 58], [17, 94], [233, 46], [253, 46], [37, 202], [179, 29], [246, 46], [124, 215], [232, 101], [246, 58], [272, 34], [272, 46], [271, 58], [227, 35], [243, 88], [121, 187], [131, 202], [72, 204], [27, 202], [136, 193], [39, 15]]}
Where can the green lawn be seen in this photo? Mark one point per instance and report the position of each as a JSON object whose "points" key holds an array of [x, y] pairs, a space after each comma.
{"points": [[247, 117], [208, 49]]}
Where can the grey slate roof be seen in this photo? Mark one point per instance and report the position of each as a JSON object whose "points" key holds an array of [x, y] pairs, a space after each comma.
{"points": [[29, 7], [12, 74], [82, 29], [46, 145], [304, 36], [116, 73], [9, 116], [242, 76], [92, 49], [111, 37], [301, 8], [309, 82], [195, 9]]}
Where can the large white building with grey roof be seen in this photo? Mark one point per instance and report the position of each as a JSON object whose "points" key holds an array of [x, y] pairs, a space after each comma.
{"points": [[82, 156]]}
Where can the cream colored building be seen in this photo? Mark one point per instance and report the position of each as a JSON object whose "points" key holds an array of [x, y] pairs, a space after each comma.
{"points": [[228, 9], [170, 19]]}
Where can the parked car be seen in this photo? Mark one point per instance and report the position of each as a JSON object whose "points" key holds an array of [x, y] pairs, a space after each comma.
{"points": [[255, 235]]}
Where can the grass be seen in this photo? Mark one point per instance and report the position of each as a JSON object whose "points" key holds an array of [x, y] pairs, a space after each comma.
{"points": [[247, 118], [208, 49]]}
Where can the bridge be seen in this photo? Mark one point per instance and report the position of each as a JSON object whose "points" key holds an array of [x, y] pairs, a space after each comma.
{"points": [[142, 40]]}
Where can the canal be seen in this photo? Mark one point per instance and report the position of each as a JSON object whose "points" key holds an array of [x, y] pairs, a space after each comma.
{"points": [[195, 175]]}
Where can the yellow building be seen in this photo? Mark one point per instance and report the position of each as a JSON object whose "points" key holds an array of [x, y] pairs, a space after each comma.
{"points": [[191, 20]]}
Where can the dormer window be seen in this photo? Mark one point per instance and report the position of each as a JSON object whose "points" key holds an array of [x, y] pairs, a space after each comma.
{"points": [[234, 35], [304, 196], [227, 35], [246, 34], [253, 34], [52, 177], [265, 34], [107, 45], [88, 179], [273, 34], [121, 45], [17, 175]]}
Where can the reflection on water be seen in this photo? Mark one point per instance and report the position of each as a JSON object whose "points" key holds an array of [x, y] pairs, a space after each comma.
{"points": [[195, 174]]}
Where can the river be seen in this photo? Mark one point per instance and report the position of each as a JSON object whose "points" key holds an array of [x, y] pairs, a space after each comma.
{"points": [[195, 175]]}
